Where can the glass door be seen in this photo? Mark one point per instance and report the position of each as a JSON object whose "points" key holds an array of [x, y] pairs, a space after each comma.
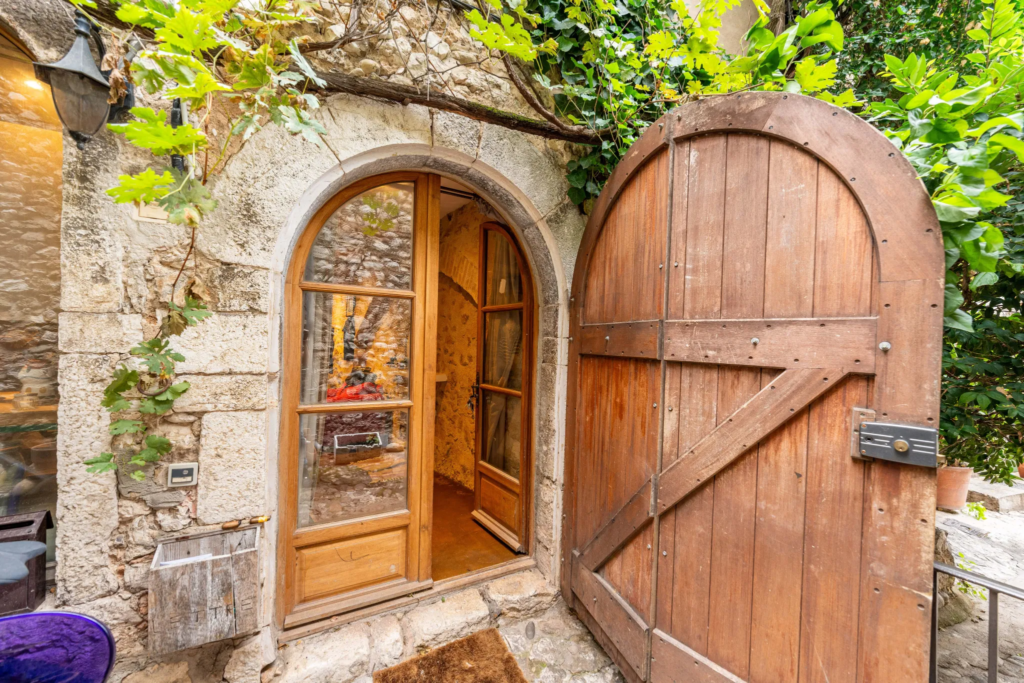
{"points": [[358, 394], [503, 362]]}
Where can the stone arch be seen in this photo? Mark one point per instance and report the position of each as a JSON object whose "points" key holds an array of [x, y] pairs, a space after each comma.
{"points": [[531, 227]]}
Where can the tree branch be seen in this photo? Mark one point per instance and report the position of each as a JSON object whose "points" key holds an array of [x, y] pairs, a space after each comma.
{"points": [[394, 92], [531, 98]]}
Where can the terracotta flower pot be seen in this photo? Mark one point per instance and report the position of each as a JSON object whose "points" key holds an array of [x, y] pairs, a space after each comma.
{"points": [[1020, 470], [952, 484]]}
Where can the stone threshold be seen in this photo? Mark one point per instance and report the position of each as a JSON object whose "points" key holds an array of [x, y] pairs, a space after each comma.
{"points": [[438, 590]]}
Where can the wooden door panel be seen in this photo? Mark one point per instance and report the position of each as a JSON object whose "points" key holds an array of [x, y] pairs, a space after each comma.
{"points": [[772, 549], [364, 561]]}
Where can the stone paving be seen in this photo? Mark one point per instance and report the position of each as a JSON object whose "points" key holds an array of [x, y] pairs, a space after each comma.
{"points": [[993, 547]]}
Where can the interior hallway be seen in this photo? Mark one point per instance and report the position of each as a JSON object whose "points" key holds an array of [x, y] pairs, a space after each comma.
{"points": [[460, 545]]}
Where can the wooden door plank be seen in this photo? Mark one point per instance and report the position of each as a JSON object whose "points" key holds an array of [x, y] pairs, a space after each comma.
{"points": [[680, 204], [792, 202], [705, 222], [761, 415], [673, 662], [782, 457], [847, 343], [844, 253], [619, 620], [743, 282], [685, 561], [651, 235], [835, 492]]}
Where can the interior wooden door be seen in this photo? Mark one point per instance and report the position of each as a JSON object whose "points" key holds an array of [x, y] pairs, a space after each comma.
{"points": [[504, 362], [358, 399], [758, 267]]}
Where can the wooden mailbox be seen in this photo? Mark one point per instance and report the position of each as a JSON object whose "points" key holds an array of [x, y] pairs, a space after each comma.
{"points": [[204, 588]]}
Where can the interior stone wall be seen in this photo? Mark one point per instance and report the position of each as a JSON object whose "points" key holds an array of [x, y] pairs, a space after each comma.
{"points": [[455, 423]]}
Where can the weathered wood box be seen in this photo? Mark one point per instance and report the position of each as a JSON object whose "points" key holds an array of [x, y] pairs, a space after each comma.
{"points": [[203, 588]]}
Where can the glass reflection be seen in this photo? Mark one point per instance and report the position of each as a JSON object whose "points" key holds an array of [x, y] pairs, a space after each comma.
{"points": [[367, 241], [502, 432], [354, 348], [351, 465]]}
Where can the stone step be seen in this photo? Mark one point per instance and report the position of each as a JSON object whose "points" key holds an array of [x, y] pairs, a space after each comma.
{"points": [[996, 497]]}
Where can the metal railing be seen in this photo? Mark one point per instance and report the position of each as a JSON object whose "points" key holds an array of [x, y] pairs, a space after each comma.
{"points": [[995, 589]]}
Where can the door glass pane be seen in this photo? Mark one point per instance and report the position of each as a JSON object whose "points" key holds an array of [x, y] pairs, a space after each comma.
{"points": [[354, 348], [367, 241], [352, 465], [502, 431], [503, 285], [503, 349]]}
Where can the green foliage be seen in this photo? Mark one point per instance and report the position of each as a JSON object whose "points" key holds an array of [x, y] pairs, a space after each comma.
{"points": [[199, 50], [961, 129], [976, 510], [619, 66]]}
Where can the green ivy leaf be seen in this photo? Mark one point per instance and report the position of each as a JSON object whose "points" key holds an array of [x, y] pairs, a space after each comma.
{"points": [[104, 462], [959, 320], [149, 131], [145, 187], [126, 427]]}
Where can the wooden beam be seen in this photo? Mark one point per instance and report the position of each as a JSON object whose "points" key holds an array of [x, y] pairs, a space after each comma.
{"points": [[768, 410], [673, 662], [846, 343], [640, 339], [627, 521], [621, 623]]}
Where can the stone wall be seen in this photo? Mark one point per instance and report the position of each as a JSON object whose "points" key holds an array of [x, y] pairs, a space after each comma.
{"points": [[455, 424], [116, 270]]}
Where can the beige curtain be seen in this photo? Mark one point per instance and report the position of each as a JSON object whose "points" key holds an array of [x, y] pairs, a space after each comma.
{"points": [[503, 340]]}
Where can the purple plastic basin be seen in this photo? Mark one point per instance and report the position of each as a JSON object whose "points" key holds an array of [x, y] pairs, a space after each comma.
{"points": [[54, 647]]}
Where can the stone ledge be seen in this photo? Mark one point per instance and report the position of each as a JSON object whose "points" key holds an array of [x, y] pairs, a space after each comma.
{"points": [[520, 595], [996, 497], [210, 393]]}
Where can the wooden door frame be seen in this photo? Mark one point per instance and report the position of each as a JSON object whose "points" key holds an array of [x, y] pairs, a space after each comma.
{"points": [[909, 251], [423, 355], [525, 483]]}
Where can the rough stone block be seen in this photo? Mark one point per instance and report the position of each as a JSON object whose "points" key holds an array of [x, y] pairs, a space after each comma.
{"points": [[99, 332], [520, 595], [516, 157], [567, 224], [225, 343], [232, 465], [111, 610], [87, 505], [249, 658], [448, 619], [386, 635], [455, 132], [222, 392], [335, 657], [238, 288]]}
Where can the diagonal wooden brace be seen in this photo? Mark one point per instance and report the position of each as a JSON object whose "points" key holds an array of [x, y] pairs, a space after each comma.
{"points": [[626, 523], [765, 412]]}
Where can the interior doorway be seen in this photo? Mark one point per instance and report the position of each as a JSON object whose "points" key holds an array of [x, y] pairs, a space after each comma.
{"points": [[405, 434], [481, 428]]}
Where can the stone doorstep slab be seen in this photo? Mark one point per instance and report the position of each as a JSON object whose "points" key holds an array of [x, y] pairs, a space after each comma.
{"points": [[996, 497]]}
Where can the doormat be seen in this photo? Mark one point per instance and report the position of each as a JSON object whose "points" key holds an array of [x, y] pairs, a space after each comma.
{"points": [[480, 658]]}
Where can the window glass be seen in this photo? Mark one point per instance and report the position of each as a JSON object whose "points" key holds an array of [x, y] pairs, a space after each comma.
{"points": [[502, 432], [504, 284], [31, 159], [354, 348], [367, 241], [352, 465], [503, 349]]}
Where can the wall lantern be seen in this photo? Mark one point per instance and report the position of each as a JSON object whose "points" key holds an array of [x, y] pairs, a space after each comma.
{"points": [[80, 90]]}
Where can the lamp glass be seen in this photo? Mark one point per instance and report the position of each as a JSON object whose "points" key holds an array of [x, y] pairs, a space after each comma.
{"points": [[81, 102]]}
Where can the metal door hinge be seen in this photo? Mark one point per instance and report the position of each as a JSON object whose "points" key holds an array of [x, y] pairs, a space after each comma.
{"points": [[904, 444]]}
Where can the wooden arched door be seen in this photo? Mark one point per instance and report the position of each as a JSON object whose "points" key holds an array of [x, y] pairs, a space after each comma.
{"points": [[761, 272], [504, 380]]}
